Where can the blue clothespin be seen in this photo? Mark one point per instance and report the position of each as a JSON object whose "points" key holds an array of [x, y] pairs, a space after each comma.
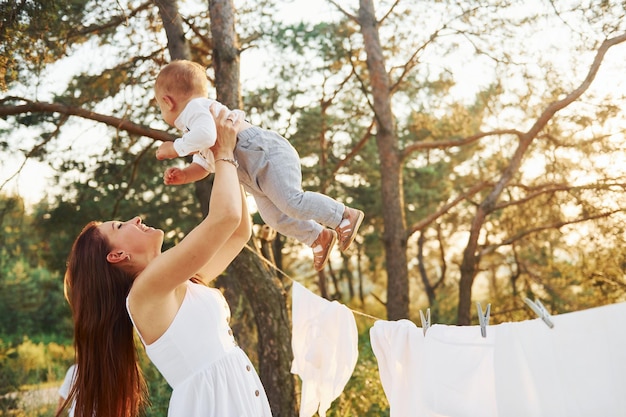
{"points": [[540, 310], [425, 321], [483, 319]]}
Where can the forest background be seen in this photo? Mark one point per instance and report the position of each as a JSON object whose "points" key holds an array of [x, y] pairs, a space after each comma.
{"points": [[483, 139]]}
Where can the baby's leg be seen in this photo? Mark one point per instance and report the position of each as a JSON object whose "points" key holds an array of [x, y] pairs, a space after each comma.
{"points": [[319, 238], [281, 182], [305, 231]]}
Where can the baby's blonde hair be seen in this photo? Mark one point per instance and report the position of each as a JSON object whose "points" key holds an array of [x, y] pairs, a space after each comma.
{"points": [[183, 79]]}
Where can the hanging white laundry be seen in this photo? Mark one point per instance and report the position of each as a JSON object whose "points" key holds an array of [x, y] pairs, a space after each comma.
{"points": [[522, 369], [458, 372], [527, 380], [325, 349], [448, 372], [576, 369], [394, 344]]}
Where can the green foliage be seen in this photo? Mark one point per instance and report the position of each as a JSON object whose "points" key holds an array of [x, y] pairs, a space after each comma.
{"points": [[31, 295], [23, 49], [27, 364], [9, 377], [31, 359]]}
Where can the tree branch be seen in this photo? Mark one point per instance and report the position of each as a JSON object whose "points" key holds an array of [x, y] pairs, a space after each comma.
{"points": [[355, 150], [344, 11], [556, 225], [441, 144], [552, 188], [117, 123], [444, 209], [412, 61], [114, 22], [551, 110], [393, 6], [361, 81]]}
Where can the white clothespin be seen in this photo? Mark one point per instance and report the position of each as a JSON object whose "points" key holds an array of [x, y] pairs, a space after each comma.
{"points": [[425, 321], [540, 310], [483, 319]]}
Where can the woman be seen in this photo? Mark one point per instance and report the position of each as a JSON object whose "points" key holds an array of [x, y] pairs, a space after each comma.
{"points": [[117, 276]]}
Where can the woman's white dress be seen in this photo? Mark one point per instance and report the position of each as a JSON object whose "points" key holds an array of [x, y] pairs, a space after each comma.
{"points": [[198, 356]]}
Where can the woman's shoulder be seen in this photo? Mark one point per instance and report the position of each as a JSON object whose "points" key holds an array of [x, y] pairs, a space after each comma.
{"points": [[143, 300], [152, 315]]}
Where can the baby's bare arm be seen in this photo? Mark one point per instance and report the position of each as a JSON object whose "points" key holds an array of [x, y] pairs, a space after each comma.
{"points": [[191, 173], [195, 172], [166, 151]]}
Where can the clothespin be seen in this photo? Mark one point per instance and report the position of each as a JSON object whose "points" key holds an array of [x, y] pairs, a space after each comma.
{"points": [[540, 310], [425, 321], [483, 319]]}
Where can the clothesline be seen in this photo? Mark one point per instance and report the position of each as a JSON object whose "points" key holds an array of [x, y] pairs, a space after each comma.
{"points": [[360, 313], [269, 263]]}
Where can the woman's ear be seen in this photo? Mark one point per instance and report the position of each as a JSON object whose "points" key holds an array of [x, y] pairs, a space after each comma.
{"points": [[117, 256]]}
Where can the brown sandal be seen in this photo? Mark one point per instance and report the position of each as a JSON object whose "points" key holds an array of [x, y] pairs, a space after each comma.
{"points": [[322, 247], [347, 232]]}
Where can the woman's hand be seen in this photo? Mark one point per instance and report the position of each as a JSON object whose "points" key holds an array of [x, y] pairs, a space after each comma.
{"points": [[227, 124]]}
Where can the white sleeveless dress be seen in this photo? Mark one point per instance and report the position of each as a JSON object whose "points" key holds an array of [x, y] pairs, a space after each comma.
{"points": [[199, 358]]}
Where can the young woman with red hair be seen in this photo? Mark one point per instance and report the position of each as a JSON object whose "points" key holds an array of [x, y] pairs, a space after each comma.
{"points": [[118, 281]]}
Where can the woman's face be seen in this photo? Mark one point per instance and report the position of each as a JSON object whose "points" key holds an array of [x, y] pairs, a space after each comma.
{"points": [[132, 237]]}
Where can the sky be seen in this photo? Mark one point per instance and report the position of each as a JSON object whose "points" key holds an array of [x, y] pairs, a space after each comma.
{"points": [[31, 183]]}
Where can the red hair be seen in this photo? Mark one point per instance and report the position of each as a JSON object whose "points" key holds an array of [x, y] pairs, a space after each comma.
{"points": [[109, 381]]}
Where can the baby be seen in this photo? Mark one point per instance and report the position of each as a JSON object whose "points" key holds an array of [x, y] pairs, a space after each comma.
{"points": [[267, 165]]}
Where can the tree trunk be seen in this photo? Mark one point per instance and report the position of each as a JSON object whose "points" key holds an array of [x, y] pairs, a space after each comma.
{"points": [[225, 52], [395, 230], [268, 299], [262, 288], [172, 23], [428, 287]]}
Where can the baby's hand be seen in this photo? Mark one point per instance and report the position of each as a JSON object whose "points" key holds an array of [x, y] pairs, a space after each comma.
{"points": [[166, 151], [174, 176]]}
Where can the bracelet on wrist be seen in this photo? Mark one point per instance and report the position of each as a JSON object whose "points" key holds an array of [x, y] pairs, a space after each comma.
{"points": [[229, 160]]}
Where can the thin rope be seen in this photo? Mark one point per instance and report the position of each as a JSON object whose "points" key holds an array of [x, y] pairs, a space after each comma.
{"points": [[273, 266]]}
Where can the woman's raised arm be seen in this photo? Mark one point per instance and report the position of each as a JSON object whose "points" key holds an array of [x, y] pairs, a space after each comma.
{"points": [[216, 238], [231, 248]]}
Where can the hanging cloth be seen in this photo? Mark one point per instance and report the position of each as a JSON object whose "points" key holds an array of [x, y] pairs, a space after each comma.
{"points": [[520, 369], [395, 344], [576, 369], [325, 349]]}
